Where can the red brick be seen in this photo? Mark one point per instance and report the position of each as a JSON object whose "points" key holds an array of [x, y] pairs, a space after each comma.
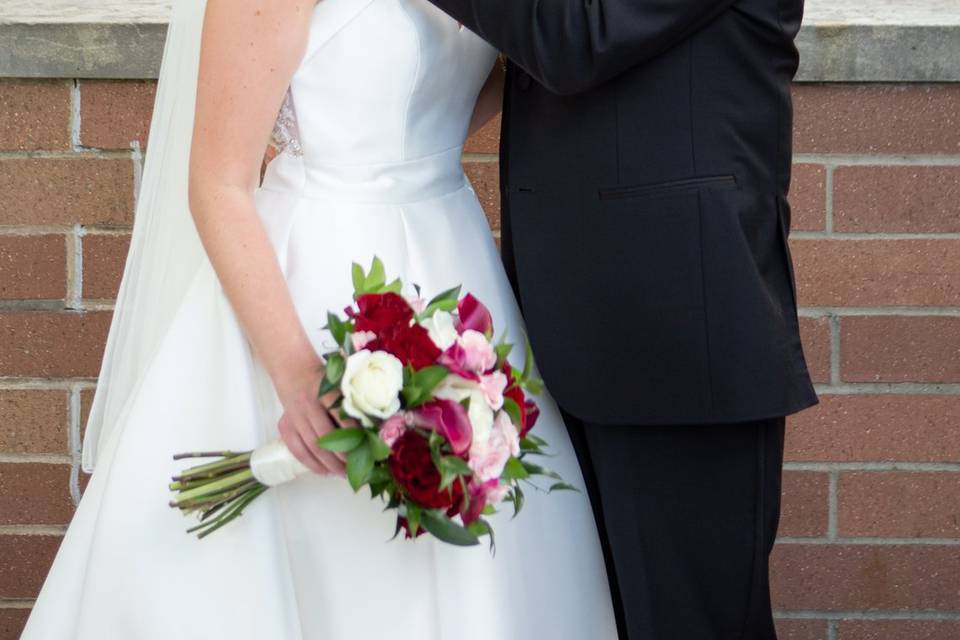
{"points": [[877, 273], [487, 140], [808, 197], [12, 622], [103, 260], [863, 428], [33, 267], [896, 199], [804, 506], [899, 630], [899, 504], [35, 493], [485, 177], [815, 334], [876, 118], [81, 190], [833, 577], [114, 113], [900, 349], [24, 563], [33, 421], [36, 115], [801, 629], [51, 344]]}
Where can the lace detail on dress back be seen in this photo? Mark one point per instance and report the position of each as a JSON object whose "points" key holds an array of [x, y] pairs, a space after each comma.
{"points": [[286, 135]]}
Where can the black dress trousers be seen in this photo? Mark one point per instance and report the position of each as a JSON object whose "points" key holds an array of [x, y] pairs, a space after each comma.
{"points": [[687, 516]]}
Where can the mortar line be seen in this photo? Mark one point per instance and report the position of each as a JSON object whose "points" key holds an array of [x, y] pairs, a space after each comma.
{"points": [[833, 499], [15, 603], [878, 159], [44, 384], [473, 156], [832, 626], [75, 116], [75, 153], [821, 312], [136, 156], [834, 349], [77, 276], [73, 416], [828, 205], [879, 235], [35, 458], [32, 529], [916, 467], [876, 388], [870, 541], [837, 614]]}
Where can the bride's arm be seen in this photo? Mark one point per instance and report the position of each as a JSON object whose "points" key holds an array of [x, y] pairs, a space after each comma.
{"points": [[490, 100], [249, 51]]}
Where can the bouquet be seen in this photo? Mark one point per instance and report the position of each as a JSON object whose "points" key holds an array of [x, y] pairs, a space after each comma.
{"points": [[444, 421]]}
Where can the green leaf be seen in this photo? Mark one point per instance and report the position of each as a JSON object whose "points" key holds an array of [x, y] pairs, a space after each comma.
{"points": [[445, 301], [336, 365], [414, 513], [513, 410], [337, 328], [537, 470], [518, 499], [562, 486], [378, 448], [456, 465], [342, 440], [481, 527], [376, 277], [533, 385], [358, 279], [527, 361], [394, 287], [529, 446], [359, 465], [445, 530], [502, 350], [514, 470]]}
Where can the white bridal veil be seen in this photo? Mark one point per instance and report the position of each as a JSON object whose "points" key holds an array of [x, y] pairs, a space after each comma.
{"points": [[165, 250]]}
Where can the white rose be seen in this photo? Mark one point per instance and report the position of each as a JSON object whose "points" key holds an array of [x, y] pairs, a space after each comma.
{"points": [[481, 417], [441, 329], [371, 385], [455, 388]]}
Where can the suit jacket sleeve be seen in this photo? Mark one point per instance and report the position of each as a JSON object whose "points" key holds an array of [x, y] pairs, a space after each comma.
{"points": [[570, 46]]}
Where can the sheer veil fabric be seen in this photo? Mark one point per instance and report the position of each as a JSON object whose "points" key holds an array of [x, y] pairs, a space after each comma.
{"points": [[165, 250]]}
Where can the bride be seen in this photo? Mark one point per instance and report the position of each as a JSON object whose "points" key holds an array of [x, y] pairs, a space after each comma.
{"points": [[217, 328]]}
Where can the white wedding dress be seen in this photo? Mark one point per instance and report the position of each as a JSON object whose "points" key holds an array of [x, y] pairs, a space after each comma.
{"points": [[372, 135]]}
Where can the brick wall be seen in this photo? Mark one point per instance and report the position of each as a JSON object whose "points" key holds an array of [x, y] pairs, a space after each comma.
{"points": [[871, 513]]}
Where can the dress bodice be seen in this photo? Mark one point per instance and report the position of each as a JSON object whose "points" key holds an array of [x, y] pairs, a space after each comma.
{"points": [[382, 82]]}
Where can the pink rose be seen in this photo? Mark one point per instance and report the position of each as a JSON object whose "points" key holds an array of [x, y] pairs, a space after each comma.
{"points": [[487, 459], [478, 353], [361, 339], [392, 428], [493, 387]]}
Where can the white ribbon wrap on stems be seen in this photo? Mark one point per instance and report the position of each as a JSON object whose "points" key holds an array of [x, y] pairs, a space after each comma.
{"points": [[273, 464]]}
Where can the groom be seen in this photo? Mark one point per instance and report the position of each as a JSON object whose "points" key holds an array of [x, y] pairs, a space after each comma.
{"points": [[645, 161]]}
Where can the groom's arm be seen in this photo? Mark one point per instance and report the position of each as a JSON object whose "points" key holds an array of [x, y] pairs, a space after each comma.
{"points": [[570, 46]]}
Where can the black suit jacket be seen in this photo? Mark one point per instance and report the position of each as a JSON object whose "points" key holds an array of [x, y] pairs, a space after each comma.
{"points": [[645, 162]]}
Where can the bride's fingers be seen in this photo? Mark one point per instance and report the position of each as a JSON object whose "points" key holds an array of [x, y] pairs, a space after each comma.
{"points": [[316, 424], [296, 445]]}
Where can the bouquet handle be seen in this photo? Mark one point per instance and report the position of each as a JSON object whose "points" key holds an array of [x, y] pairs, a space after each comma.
{"points": [[273, 464]]}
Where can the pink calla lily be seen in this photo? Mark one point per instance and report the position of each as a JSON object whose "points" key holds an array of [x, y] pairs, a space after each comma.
{"points": [[473, 315], [449, 419]]}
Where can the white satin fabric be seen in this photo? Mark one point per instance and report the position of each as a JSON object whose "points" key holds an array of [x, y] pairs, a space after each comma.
{"points": [[383, 98]]}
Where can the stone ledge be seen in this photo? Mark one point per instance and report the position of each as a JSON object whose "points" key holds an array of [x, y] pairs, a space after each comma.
{"points": [[841, 40]]}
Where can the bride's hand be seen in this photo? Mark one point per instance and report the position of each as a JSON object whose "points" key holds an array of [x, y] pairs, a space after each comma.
{"points": [[306, 418]]}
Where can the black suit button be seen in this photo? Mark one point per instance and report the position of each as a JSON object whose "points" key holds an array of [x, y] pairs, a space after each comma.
{"points": [[523, 79]]}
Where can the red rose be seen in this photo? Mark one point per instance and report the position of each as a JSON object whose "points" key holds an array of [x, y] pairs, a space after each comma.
{"points": [[413, 469], [410, 344], [380, 311]]}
